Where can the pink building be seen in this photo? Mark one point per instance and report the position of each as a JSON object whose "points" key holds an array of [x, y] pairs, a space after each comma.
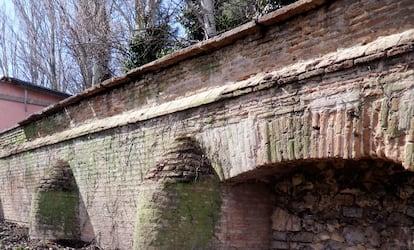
{"points": [[19, 99]]}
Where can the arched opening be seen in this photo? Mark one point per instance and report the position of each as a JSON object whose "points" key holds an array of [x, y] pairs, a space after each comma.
{"points": [[332, 204], [55, 206]]}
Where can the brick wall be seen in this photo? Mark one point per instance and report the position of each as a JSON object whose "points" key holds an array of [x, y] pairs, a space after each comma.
{"points": [[264, 100], [330, 27], [245, 217], [54, 208]]}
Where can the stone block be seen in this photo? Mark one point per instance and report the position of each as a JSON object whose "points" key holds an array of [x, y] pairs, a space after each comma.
{"points": [[410, 211], [305, 237], [334, 245], [352, 212], [354, 235], [284, 221], [344, 199], [280, 245], [279, 236]]}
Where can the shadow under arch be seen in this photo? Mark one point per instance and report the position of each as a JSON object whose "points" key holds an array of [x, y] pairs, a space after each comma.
{"points": [[57, 210], [323, 204], [1, 211]]}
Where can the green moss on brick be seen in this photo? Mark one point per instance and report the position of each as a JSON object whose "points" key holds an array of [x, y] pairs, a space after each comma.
{"points": [[180, 216], [54, 215], [29, 130], [49, 124]]}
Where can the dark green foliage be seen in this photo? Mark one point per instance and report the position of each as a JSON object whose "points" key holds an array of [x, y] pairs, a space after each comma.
{"points": [[192, 26], [158, 38], [232, 13], [154, 38], [229, 14], [148, 45]]}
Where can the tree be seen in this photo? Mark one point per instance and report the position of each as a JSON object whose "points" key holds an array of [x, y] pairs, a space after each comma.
{"points": [[228, 14], [8, 48], [37, 51], [45, 56], [87, 38], [204, 10], [67, 45], [153, 36], [70, 45]]}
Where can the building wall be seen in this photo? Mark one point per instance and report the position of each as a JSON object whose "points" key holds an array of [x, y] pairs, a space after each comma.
{"points": [[350, 97], [13, 111]]}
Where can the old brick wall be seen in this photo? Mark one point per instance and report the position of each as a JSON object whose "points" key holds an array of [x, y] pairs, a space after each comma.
{"points": [[265, 99], [55, 206], [330, 27], [245, 217]]}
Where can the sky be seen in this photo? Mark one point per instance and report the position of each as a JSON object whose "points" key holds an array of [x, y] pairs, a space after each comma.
{"points": [[8, 8], [8, 5]]}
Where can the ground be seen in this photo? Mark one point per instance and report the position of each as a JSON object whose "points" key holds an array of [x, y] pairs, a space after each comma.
{"points": [[16, 237]]}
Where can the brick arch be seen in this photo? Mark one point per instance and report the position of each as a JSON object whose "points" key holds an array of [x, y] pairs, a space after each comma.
{"points": [[378, 124], [378, 127], [319, 203], [182, 161]]}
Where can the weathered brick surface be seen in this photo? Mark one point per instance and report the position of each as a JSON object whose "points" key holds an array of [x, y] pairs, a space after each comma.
{"points": [[55, 206], [333, 82], [331, 27], [244, 220], [179, 200]]}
